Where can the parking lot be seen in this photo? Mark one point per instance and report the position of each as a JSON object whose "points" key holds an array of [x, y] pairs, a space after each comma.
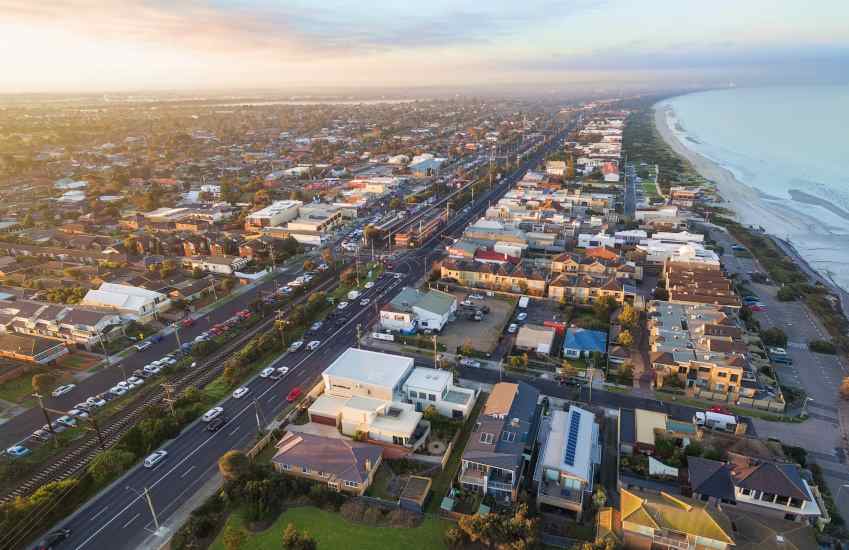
{"points": [[482, 335]]}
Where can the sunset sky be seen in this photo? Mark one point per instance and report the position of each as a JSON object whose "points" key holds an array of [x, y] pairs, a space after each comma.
{"points": [[114, 45]]}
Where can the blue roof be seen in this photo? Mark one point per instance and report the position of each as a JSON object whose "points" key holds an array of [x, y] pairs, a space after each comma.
{"points": [[585, 340]]}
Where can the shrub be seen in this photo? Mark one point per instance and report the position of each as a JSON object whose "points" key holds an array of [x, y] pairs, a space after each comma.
{"points": [[402, 518], [373, 515], [353, 510], [822, 346]]}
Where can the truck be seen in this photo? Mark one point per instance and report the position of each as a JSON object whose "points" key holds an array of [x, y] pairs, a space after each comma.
{"points": [[523, 302], [716, 421]]}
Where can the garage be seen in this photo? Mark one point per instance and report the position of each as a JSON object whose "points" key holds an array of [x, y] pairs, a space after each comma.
{"points": [[323, 419]]}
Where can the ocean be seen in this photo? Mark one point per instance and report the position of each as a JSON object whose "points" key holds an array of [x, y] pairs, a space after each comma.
{"points": [[789, 144]]}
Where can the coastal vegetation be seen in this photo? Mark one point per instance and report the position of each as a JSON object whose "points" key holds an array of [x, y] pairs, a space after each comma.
{"points": [[642, 143]]}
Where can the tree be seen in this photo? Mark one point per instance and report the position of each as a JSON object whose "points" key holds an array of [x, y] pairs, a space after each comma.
{"points": [[109, 464], [629, 316], [42, 383], [309, 265], [603, 307], [501, 531], [625, 339], [394, 203], [844, 388], [327, 256], [234, 537], [774, 336], [348, 277], [233, 465], [294, 540]]}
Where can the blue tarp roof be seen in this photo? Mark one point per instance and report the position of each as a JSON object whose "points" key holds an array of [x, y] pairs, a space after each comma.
{"points": [[585, 340]]}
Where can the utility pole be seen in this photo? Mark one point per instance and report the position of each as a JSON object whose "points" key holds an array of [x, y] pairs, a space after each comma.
{"points": [[177, 336], [258, 415], [146, 495], [105, 351], [359, 333], [435, 353], [214, 293], [46, 417], [93, 421], [169, 397]]}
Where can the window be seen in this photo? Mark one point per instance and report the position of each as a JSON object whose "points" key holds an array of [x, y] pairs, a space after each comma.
{"points": [[306, 469], [477, 426], [431, 397], [746, 492], [323, 474], [508, 436], [733, 378], [353, 484], [722, 374], [413, 394], [682, 370], [487, 438], [286, 466], [796, 503]]}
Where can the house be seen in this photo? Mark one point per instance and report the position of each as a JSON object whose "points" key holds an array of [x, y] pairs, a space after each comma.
{"points": [[520, 278], [536, 338], [581, 342], [504, 434], [639, 428], [223, 265], [32, 349], [570, 453], [763, 486], [413, 309], [137, 303], [344, 465], [555, 168], [650, 520], [426, 387]]}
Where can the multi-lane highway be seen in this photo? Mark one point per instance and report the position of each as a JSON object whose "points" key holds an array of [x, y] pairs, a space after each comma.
{"points": [[120, 517]]}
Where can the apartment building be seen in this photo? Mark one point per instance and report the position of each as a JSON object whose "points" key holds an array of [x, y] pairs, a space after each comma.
{"points": [[569, 456], [699, 283], [584, 289], [273, 215], [521, 278], [505, 432]]}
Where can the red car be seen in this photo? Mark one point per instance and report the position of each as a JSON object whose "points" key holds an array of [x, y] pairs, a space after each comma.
{"points": [[294, 394], [187, 322], [718, 409], [244, 314]]}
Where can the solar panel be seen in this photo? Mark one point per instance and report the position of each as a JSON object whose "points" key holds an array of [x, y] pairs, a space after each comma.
{"points": [[572, 439]]}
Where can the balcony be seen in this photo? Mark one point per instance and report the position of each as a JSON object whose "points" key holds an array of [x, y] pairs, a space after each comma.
{"points": [[551, 492], [670, 541]]}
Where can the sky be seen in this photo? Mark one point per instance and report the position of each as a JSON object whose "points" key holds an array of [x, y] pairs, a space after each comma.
{"points": [[55, 46]]}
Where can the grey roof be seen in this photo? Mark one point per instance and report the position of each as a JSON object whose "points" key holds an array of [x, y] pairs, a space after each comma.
{"points": [[781, 479], [437, 302], [710, 477], [627, 426], [343, 458], [406, 299]]}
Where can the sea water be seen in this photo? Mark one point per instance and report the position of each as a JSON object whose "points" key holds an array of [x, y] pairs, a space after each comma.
{"points": [[791, 144]]}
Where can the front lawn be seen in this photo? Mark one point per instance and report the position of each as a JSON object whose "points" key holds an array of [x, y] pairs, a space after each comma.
{"points": [[332, 531]]}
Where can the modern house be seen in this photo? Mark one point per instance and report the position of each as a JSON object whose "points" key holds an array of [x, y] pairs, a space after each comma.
{"points": [[342, 464], [413, 309], [581, 342], [501, 441], [132, 301], [763, 486], [570, 453], [433, 387]]}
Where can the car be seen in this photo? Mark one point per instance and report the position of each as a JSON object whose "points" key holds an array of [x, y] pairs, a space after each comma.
{"points": [[245, 314], [316, 326], [238, 393], [216, 423], [521, 317], [135, 381], [296, 345], [66, 420], [313, 345], [83, 407], [294, 394], [141, 346], [187, 322], [17, 451], [63, 389], [369, 284], [266, 372], [169, 360], [287, 289], [398, 276], [469, 362], [212, 413], [757, 308], [512, 328], [96, 401], [53, 538], [475, 297], [342, 305], [323, 267], [41, 435], [155, 458], [282, 371], [123, 384], [78, 413], [364, 302], [117, 391]]}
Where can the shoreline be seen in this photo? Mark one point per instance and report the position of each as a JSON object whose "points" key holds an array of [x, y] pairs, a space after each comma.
{"points": [[744, 202]]}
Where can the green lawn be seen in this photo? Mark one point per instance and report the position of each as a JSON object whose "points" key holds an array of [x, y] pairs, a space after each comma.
{"points": [[332, 531], [19, 389]]}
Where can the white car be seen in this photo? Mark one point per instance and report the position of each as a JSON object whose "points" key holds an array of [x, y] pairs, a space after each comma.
{"points": [[117, 391], [312, 346], [152, 369], [154, 458], [469, 362], [522, 316], [283, 371], [78, 413], [398, 276], [62, 390], [342, 305], [212, 413], [17, 451], [240, 392], [369, 284], [135, 381], [266, 372], [123, 384], [96, 401], [67, 421], [364, 302], [512, 328], [315, 326], [296, 345], [169, 360], [475, 297], [143, 346]]}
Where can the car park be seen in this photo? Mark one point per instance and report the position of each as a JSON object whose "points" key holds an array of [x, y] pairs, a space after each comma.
{"points": [[238, 393], [313, 345], [296, 345], [266, 372], [212, 413], [294, 394], [17, 451], [155, 458], [215, 424], [63, 389]]}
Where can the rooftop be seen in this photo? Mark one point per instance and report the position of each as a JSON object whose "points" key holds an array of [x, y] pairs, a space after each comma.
{"points": [[370, 367]]}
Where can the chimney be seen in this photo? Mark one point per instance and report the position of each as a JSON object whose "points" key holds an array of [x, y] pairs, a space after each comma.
{"points": [[368, 465]]}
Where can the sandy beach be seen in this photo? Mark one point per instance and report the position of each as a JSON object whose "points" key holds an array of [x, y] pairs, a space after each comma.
{"points": [[749, 206]]}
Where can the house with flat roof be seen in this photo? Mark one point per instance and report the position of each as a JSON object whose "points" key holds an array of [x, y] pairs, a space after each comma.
{"points": [[344, 465], [137, 303], [570, 453], [502, 439], [273, 215], [535, 338], [435, 387]]}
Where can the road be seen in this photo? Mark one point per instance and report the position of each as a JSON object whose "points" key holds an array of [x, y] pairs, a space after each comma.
{"points": [[630, 175], [119, 517]]}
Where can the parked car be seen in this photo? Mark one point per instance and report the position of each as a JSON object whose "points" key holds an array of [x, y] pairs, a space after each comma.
{"points": [[78, 413], [342, 305], [41, 435], [521, 317], [117, 391], [316, 326], [63, 389], [66, 420], [266, 372], [512, 328], [296, 345], [469, 362], [212, 413], [369, 284], [294, 394], [187, 322], [398, 276], [135, 382], [141, 346], [475, 297], [364, 302], [96, 401], [53, 538], [17, 451], [155, 458], [238, 393], [313, 345]]}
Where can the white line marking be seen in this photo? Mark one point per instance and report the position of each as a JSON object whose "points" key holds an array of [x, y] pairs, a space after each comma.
{"points": [[187, 472], [234, 431], [134, 518], [100, 512]]}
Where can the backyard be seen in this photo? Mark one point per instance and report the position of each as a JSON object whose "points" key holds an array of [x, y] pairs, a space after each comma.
{"points": [[332, 531]]}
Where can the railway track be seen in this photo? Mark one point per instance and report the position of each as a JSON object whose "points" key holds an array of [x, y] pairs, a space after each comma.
{"points": [[77, 458]]}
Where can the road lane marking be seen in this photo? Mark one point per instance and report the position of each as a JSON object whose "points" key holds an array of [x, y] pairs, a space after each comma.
{"points": [[187, 472], [97, 514], [234, 431], [134, 518]]}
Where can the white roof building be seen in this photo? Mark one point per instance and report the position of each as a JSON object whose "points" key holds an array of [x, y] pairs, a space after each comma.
{"points": [[138, 303]]}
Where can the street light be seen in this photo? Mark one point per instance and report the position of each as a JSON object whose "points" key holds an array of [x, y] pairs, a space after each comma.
{"points": [[146, 495]]}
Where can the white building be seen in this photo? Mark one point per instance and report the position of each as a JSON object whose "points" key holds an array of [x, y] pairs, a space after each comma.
{"points": [[587, 240], [137, 303], [223, 265], [412, 309], [425, 387], [275, 214]]}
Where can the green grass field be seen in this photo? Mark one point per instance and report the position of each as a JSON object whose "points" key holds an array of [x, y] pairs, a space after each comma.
{"points": [[332, 531]]}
